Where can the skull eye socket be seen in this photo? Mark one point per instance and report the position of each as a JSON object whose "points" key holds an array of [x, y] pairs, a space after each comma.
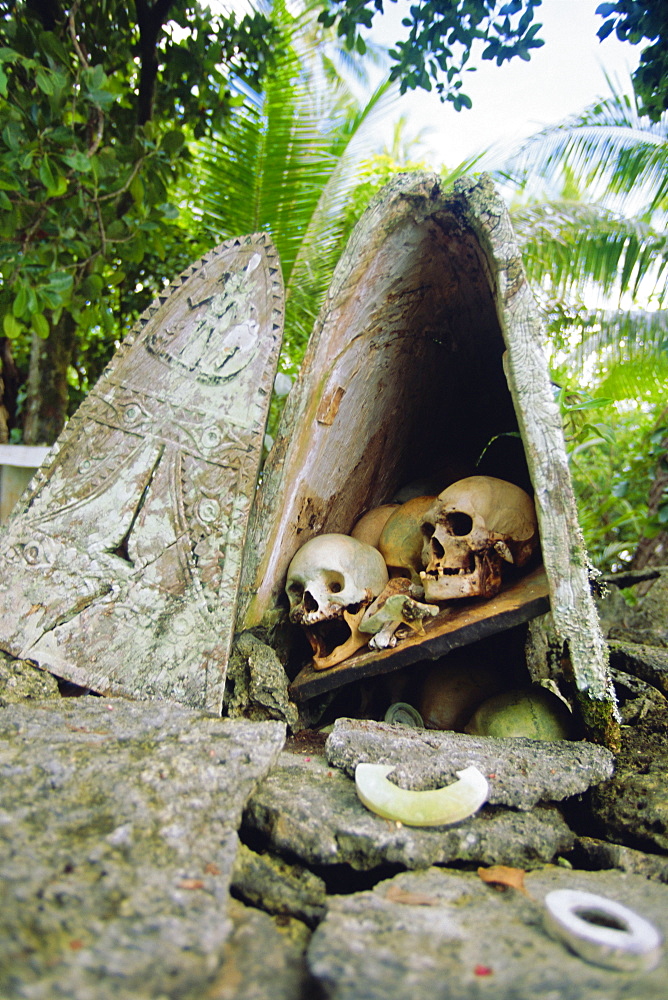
{"points": [[296, 591], [334, 582], [427, 529], [458, 523]]}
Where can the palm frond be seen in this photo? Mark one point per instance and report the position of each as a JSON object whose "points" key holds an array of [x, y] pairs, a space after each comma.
{"points": [[611, 150], [568, 245], [285, 165], [608, 337], [641, 378]]}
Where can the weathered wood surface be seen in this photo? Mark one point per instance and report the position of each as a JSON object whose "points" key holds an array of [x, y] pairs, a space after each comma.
{"points": [[404, 379], [119, 569], [574, 613], [458, 624]]}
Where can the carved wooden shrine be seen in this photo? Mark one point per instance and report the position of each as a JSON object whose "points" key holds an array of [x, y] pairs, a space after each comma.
{"points": [[426, 363], [122, 567]]}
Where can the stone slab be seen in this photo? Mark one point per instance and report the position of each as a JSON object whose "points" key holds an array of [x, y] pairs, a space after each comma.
{"points": [[117, 841], [460, 939], [264, 959], [310, 811], [649, 663], [277, 886], [632, 808], [595, 854], [23, 681], [520, 772]]}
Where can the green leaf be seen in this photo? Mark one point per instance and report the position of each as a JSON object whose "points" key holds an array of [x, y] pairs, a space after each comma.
{"points": [[60, 282], [107, 320], [605, 30], [168, 211], [12, 327], [77, 161], [92, 286], [44, 81], [12, 134], [20, 304], [48, 298], [3, 82], [53, 47], [137, 189], [96, 76], [606, 432], [40, 325], [588, 404], [172, 141], [46, 175]]}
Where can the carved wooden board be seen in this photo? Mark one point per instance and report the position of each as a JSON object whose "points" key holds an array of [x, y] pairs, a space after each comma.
{"points": [[458, 624], [119, 568]]}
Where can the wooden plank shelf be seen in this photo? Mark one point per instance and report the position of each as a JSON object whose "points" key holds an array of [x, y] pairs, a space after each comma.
{"points": [[458, 624]]}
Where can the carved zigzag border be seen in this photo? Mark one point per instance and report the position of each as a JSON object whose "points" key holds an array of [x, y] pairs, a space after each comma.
{"points": [[70, 433]]}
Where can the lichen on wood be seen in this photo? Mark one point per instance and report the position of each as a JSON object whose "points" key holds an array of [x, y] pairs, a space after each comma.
{"points": [[573, 610], [119, 567]]}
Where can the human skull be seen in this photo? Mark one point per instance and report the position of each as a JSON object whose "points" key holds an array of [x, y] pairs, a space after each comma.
{"points": [[401, 539], [331, 581], [369, 526], [474, 526]]}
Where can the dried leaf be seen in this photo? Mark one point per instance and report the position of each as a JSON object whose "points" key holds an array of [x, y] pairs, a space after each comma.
{"points": [[502, 878], [191, 883], [395, 894]]}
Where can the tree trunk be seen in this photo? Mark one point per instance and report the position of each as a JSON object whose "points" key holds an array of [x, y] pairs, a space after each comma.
{"points": [[46, 404], [9, 383]]}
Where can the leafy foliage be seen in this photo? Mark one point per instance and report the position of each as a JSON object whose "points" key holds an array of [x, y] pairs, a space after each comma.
{"points": [[610, 151], [96, 109], [634, 22], [595, 245], [614, 441], [286, 164], [442, 36]]}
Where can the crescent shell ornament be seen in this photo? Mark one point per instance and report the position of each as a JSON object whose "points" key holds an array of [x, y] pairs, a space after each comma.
{"points": [[434, 807]]}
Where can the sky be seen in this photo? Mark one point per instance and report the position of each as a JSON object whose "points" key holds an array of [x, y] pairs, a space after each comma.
{"points": [[516, 99]]}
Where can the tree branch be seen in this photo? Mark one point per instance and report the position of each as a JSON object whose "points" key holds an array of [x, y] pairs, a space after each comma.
{"points": [[150, 19]]}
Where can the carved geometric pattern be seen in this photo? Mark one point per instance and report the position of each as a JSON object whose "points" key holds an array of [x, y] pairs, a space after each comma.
{"points": [[119, 568]]}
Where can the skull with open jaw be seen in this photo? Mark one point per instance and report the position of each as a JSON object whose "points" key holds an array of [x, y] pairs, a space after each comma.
{"points": [[331, 581], [474, 527]]}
